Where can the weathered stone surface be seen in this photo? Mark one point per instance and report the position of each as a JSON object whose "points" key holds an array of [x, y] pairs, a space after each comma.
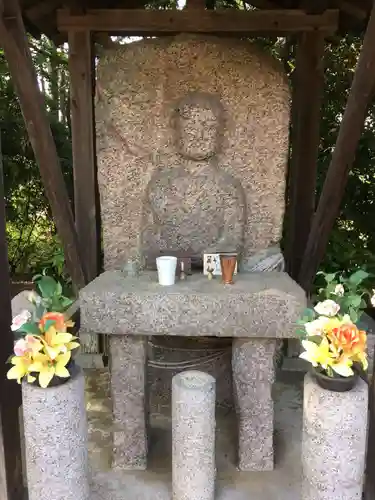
{"points": [[257, 305], [20, 303], [253, 375], [55, 428], [333, 442], [128, 357], [193, 436], [192, 147]]}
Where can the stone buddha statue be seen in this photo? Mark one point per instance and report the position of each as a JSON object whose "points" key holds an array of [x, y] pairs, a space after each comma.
{"points": [[193, 205]]}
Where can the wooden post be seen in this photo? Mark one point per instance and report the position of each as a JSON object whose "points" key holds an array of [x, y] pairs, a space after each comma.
{"points": [[360, 95], [81, 67], [369, 493], [86, 196], [308, 81], [14, 41], [11, 480]]}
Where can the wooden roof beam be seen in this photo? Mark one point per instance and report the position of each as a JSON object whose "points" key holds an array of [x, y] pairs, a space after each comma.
{"points": [[262, 4], [155, 22], [352, 9], [41, 9]]}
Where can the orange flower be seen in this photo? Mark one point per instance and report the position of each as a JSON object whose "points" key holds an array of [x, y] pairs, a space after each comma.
{"points": [[348, 338], [60, 325]]}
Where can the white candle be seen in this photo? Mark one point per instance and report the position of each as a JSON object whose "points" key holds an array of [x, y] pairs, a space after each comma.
{"points": [[182, 266]]}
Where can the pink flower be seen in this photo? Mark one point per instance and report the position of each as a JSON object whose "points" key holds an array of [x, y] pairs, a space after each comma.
{"points": [[20, 319], [34, 344], [27, 345], [21, 347]]}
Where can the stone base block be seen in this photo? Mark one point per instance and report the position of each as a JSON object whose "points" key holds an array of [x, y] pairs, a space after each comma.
{"points": [[253, 376], [333, 442], [129, 449], [55, 427]]}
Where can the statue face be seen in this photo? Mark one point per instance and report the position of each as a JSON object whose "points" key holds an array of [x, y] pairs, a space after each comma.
{"points": [[197, 132]]}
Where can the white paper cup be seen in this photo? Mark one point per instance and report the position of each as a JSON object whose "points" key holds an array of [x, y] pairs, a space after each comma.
{"points": [[166, 266]]}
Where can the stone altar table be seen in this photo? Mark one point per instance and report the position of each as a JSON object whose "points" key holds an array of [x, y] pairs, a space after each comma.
{"points": [[256, 311]]}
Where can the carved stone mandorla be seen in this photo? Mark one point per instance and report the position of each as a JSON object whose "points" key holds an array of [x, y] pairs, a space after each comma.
{"points": [[221, 181]]}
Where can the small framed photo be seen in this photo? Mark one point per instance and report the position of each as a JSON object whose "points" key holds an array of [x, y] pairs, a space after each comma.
{"points": [[211, 264]]}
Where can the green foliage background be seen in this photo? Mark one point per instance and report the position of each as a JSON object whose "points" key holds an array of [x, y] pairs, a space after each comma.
{"points": [[33, 244]]}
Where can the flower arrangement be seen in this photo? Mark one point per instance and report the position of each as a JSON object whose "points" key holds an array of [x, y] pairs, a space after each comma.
{"points": [[332, 342], [44, 347]]}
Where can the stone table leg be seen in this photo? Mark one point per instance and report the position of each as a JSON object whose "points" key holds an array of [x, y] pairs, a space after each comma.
{"points": [[128, 358], [253, 376]]}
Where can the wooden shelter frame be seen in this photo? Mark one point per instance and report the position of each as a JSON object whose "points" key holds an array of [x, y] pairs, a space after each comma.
{"points": [[307, 22]]}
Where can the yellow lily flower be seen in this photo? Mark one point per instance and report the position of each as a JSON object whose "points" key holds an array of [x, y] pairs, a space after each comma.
{"points": [[361, 357], [56, 342], [343, 367], [72, 345], [317, 354], [20, 368], [47, 369]]}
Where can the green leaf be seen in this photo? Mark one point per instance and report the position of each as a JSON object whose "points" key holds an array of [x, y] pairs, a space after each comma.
{"points": [[354, 300], [31, 328], [317, 339], [331, 288], [18, 335], [48, 324], [58, 289], [308, 315], [65, 302], [353, 315], [47, 286], [40, 310], [357, 277], [301, 331], [330, 277]]}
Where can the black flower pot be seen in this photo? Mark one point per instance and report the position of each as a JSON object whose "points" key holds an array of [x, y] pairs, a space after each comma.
{"points": [[336, 383], [56, 381]]}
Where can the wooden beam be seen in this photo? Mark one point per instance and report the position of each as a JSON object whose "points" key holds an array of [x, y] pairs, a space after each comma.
{"points": [[195, 4], [81, 66], [41, 9], [263, 4], [14, 42], [235, 22], [352, 123], [308, 82], [352, 9], [11, 480], [369, 493]]}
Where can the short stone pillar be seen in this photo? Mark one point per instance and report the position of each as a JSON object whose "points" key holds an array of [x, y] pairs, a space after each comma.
{"points": [[193, 436], [55, 427], [333, 442]]}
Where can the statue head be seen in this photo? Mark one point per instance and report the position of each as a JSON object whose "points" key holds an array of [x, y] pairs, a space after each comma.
{"points": [[198, 123]]}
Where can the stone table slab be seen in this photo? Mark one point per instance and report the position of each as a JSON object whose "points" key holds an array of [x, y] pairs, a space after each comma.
{"points": [[265, 305]]}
